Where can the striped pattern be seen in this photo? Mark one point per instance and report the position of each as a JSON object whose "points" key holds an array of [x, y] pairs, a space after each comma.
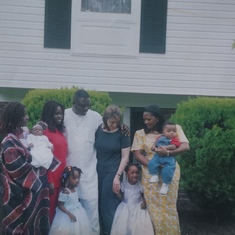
{"points": [[26, 195]]}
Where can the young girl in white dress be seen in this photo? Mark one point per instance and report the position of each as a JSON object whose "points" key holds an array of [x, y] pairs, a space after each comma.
{"points": [[70, 217], [131, 216]]}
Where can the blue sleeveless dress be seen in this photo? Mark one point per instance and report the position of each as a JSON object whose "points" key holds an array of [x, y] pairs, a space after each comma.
{"points": [[62, 224]]}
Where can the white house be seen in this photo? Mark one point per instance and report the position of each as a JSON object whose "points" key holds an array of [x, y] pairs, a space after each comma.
{"points": [[141, 51]]}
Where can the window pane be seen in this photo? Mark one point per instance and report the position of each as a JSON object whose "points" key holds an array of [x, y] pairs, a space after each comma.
{"points": [[111, 6]]}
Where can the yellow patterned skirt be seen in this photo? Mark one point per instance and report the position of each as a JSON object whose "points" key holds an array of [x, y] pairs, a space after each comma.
{"points": [[162, 208]]}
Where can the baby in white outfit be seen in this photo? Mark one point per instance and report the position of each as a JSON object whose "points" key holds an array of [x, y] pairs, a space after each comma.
{"points": [[40, 148]]}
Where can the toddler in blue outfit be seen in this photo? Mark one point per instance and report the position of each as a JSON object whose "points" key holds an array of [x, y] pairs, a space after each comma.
{"points": [[170, 142]]}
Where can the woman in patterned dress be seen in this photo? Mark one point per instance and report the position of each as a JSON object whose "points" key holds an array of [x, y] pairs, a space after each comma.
{"points": [[162, 208], [26, 195]]}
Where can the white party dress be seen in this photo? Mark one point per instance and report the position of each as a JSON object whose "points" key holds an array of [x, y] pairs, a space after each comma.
{"points": [[62, 224], [129, 218]]}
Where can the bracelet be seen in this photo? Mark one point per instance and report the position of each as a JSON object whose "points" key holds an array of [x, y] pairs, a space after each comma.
{"points": [[119, 175], [168, 153]]}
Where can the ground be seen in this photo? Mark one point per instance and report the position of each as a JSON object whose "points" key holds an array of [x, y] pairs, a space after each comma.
{"points": [[194, 221]]}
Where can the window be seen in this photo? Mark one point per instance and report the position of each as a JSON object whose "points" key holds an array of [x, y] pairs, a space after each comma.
{"points": [[57, 27], [111, 6], [153, 26], [139, 29]]}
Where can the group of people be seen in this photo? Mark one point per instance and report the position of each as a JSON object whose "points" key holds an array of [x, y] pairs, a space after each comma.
{"points": [[82, 188]]}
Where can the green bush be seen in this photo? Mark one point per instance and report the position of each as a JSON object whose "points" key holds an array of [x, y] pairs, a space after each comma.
{"points": [[35, 99], [208, 169]]}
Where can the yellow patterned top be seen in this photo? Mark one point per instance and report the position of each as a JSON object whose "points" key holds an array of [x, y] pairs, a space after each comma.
{"points": [[162, 208]]}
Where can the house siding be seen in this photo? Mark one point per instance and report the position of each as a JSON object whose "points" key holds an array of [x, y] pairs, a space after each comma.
{"points": [[198, 59]]}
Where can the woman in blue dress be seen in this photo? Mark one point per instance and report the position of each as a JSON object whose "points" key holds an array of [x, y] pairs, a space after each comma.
{"points": [[113, 150]]}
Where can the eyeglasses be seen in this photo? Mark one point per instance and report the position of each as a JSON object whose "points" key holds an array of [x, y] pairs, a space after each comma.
{"points": [[84, 106]]}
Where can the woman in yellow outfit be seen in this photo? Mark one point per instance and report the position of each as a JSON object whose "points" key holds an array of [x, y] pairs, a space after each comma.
{"points": [[162, 208]]}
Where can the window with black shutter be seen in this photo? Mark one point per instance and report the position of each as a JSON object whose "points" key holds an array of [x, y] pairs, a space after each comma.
{"points": [[153, 26], [57, 30]]}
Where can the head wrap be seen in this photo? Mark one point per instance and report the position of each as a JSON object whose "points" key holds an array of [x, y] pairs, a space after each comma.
{"points": [[37, 125]]}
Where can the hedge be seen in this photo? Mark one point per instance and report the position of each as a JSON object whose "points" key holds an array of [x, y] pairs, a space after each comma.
{"points": [[208, 169], [35, 99]]}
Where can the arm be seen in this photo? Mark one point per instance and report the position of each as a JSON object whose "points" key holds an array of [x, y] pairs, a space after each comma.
{"points": [[70, 215], [173, 144], [138, 154], [124, 160], [48, 143], [20, 171], [50, 146], [168, 147], [162, 151], [171, 147], [154, 146], [50, 182], [119, 194], [143, 204], [30, 145], [125, 130], [138, 147], [43, 125]]}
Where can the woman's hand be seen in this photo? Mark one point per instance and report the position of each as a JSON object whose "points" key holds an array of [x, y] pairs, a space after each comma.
{"points": [[116, 184], [143, 205], [154, 148], [51, 188], [161, 151], [125, 130], [72, 217], [43, 125]]}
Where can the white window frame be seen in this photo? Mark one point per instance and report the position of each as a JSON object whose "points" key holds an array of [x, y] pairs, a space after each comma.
{"points": [[105, 34]]}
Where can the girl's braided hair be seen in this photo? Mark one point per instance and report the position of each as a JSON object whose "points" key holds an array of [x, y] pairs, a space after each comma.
{"points": [[129, 164], [69, 171]]}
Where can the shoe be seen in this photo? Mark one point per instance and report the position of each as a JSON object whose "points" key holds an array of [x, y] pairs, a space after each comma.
{"points": [[164, 189], [154, 179]]}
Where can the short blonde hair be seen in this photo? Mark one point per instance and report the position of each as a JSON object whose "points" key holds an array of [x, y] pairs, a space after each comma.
{"points": [[112, 111]]}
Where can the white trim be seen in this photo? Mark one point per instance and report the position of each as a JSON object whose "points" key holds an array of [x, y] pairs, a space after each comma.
{"points": [[105, 34]]}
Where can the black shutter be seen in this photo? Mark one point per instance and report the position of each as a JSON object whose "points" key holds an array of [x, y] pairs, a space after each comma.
{"points": [[153, 26], [57, 29]]}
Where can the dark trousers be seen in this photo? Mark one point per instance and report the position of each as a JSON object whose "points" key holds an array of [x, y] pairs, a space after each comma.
{"points": [[108, 201]]}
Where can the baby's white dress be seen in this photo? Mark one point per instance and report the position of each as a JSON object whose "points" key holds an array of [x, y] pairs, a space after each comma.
{"points": [[129, 218], [41, 151], [62, 224]]}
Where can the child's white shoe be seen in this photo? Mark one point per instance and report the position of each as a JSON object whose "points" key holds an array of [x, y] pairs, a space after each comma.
{"points": [[154, 179], [164, 189]]}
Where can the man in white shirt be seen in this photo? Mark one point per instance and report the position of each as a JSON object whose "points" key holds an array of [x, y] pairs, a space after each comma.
{"points": [[81, 124]]}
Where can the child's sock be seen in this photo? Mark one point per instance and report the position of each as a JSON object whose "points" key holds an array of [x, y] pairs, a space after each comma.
{"points": [[154, 179], [164, 189]]}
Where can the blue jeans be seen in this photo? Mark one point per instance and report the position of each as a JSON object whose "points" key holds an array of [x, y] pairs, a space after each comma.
{"points": [[167, 172]]}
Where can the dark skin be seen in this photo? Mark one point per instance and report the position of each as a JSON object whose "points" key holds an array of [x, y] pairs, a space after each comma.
{"points": [[72, 182], [58, 116], [150, 121], [132, 177]]}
